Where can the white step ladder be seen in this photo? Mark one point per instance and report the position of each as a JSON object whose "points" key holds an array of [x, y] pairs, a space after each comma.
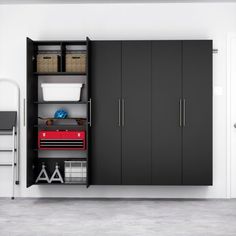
{"points": [[9, 121]]}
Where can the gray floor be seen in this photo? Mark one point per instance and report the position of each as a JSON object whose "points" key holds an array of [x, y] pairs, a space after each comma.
{"points": [[65, 217]]}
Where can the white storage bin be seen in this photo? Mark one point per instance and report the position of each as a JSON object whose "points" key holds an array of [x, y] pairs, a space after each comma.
{"points": [[75, 171], [61, 91]]}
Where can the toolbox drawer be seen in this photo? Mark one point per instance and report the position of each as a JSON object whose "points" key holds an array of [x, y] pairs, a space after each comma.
{"points": [[60, 140]]}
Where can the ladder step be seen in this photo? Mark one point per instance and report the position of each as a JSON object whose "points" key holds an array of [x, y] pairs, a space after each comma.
{"points": [[7, 150], [7, 164], [6, 133]]}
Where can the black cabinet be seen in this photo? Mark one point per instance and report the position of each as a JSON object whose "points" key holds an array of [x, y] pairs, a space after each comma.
{"points": [[182, 112], [58, 62], [147, 106], [152, 112], [121, 110]]}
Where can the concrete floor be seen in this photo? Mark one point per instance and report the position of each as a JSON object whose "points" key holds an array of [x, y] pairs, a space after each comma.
{"points": [[74, 217]]}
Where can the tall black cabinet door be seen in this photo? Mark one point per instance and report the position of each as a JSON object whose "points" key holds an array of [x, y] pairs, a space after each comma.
{"points": [[136, 112], [197, 112], [32, 112], [166, 113], [105, 74]]}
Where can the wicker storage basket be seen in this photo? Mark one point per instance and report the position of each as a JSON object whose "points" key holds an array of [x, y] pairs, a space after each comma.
{"points": [[76, 62], [47, 63]]}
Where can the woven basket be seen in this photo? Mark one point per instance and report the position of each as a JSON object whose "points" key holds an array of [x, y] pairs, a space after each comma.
{"points": [[76, 62], [47, 63]]}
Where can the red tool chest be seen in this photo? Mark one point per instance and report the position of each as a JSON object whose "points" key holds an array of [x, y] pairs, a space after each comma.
{"points": [[61, 140]]}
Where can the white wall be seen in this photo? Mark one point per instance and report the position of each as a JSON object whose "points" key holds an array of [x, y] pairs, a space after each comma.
{"points": [[119, 21]]}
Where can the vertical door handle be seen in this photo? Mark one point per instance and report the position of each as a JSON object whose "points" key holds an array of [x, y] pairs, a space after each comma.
{"points": [[184, 112], [24, 111], [90, 112], [180, 112], [123, 112], [119, 113]]}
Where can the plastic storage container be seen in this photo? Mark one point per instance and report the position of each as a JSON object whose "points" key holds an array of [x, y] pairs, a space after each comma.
{"points": [[75, 172], [61, 91]]}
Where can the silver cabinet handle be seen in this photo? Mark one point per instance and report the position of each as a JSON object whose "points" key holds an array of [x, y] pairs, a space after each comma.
{"points": [[119, 112], [24, 111], [184, 112], [123, 112], [90, 112], [180, 112]]}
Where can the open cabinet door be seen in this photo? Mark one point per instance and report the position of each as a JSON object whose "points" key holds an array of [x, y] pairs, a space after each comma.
{"points": [[32, 111], [89, 107]]}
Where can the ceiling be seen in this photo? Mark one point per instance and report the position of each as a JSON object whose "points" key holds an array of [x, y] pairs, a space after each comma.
{"points": [[104, 1]]}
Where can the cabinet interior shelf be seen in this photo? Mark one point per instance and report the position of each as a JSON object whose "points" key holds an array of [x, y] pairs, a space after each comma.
{"points": [[59, 102], [60, 183], [62, 127], [58, 73], [63, 158], [60, 42], [67, 150]]}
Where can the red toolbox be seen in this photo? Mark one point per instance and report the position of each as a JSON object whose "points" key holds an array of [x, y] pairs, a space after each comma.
{"points": [[61, 140]]}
